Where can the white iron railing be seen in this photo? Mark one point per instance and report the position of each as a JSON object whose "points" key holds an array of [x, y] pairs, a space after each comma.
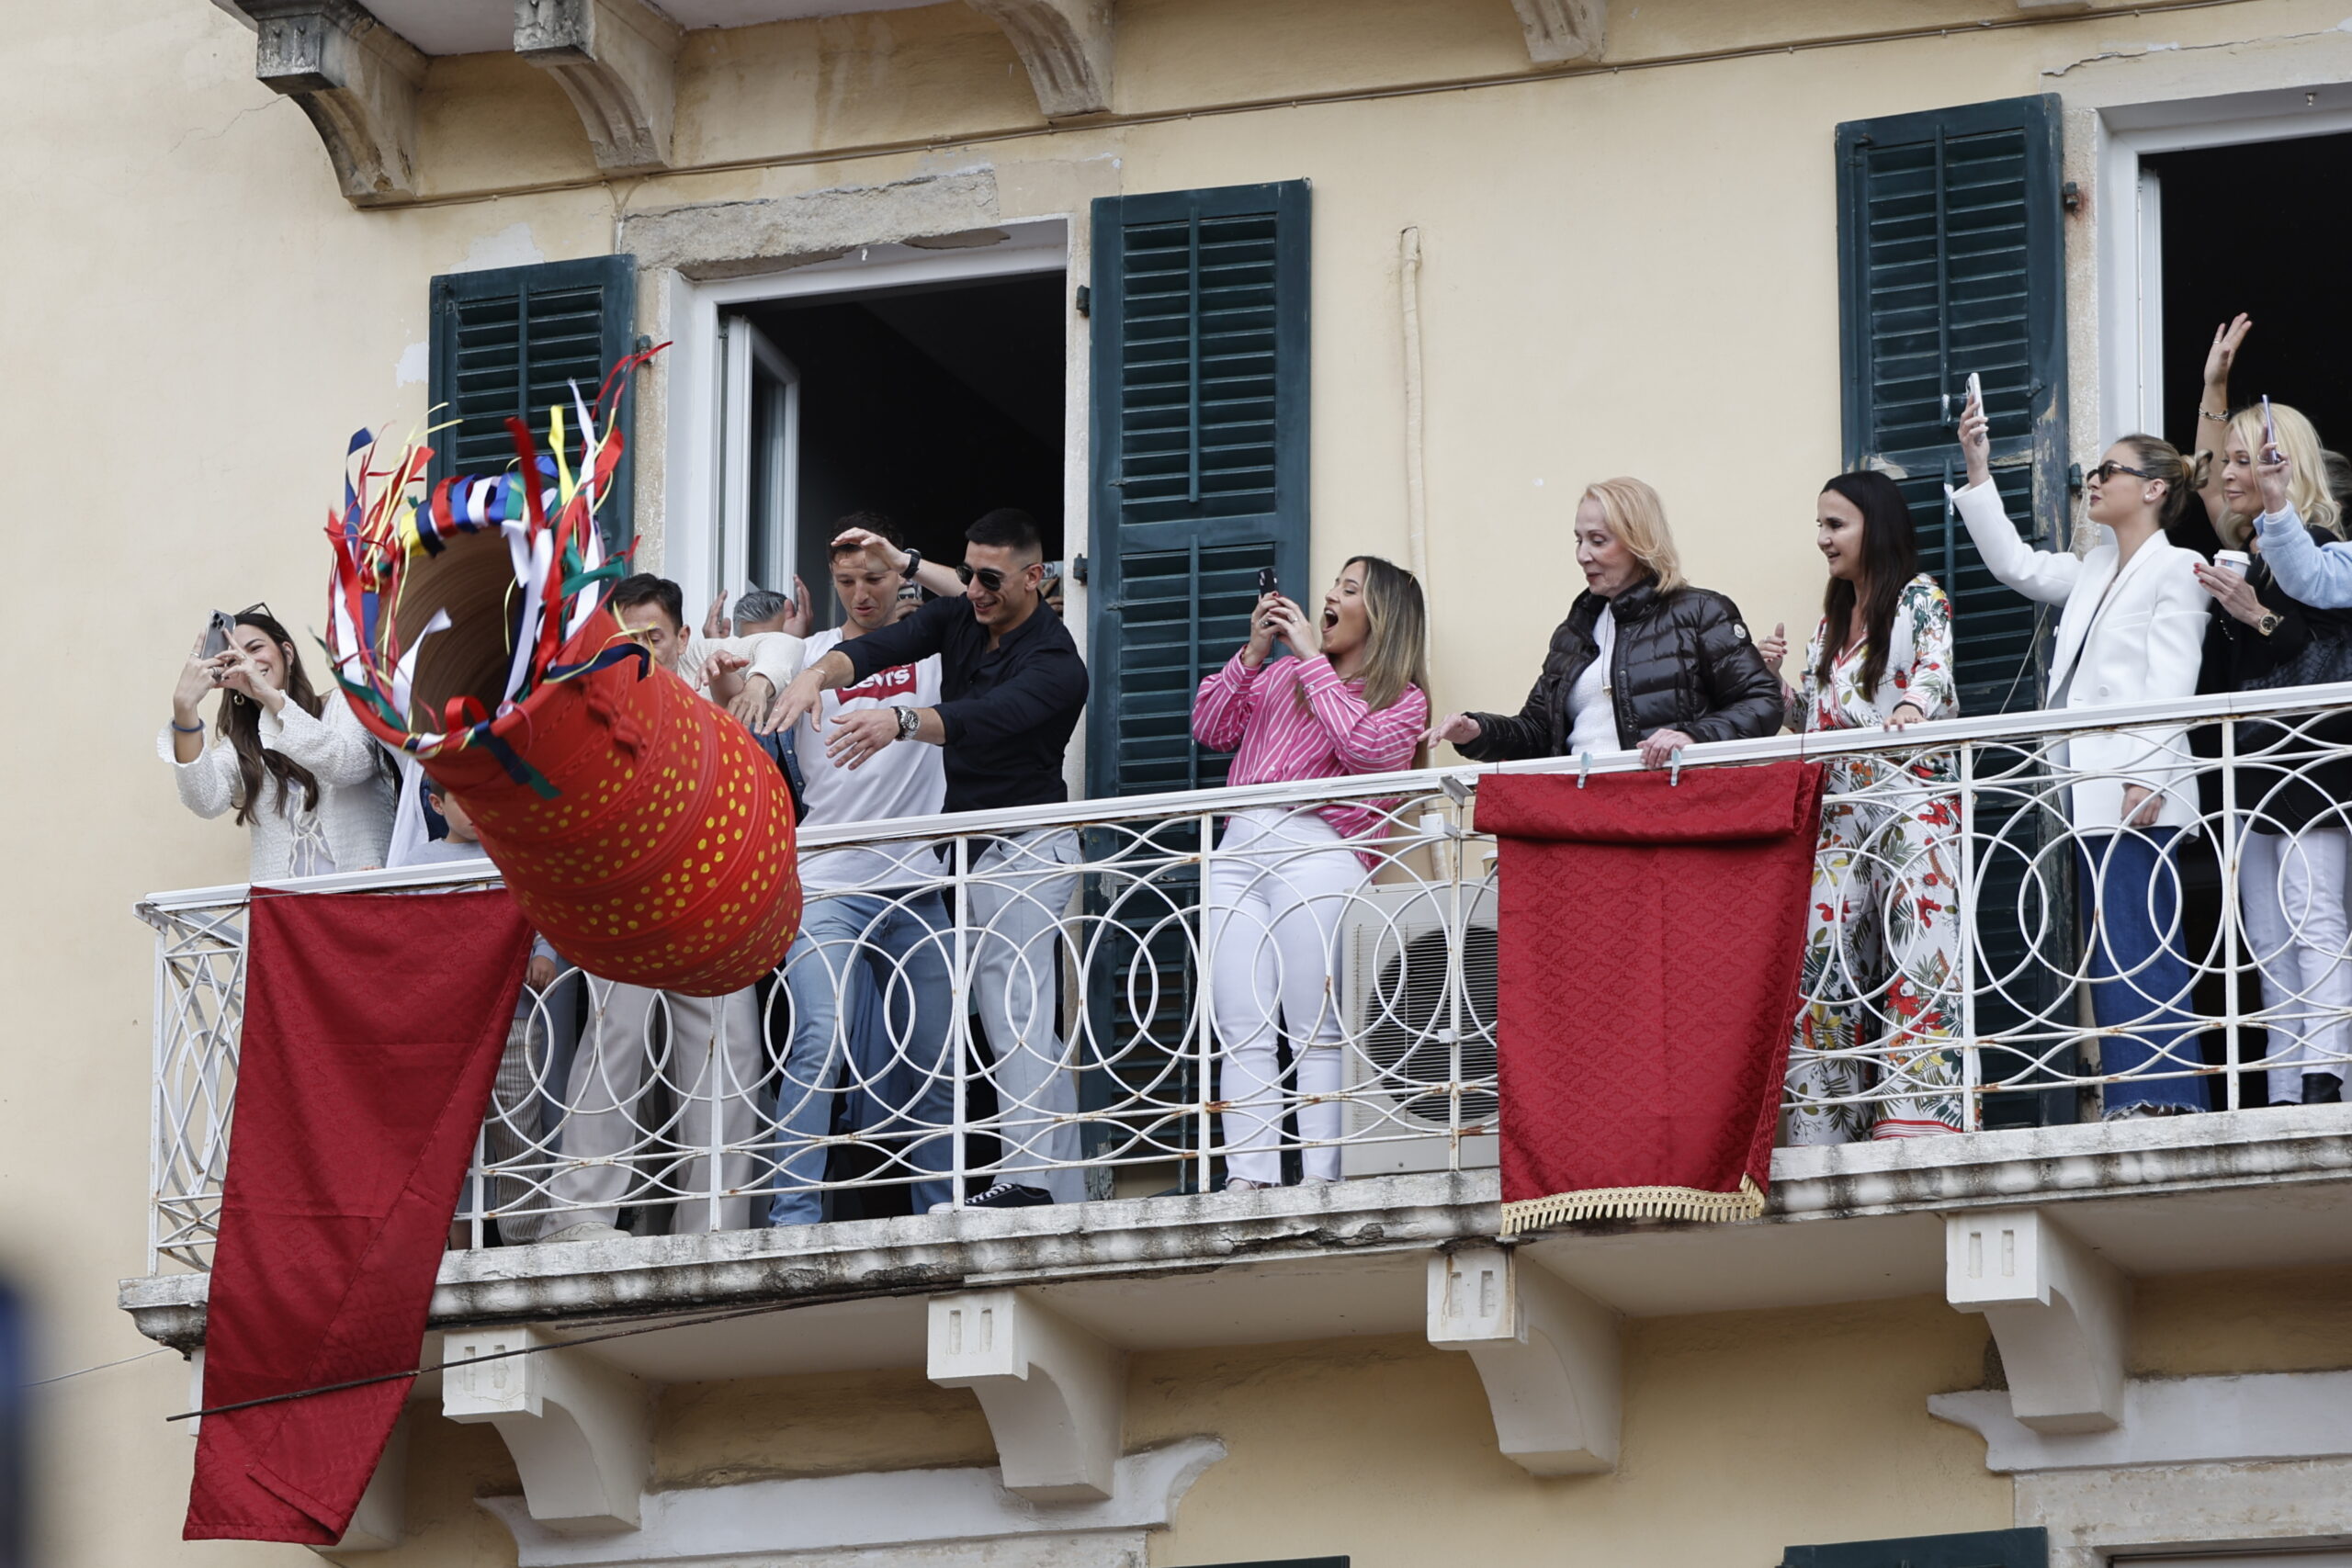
{"points": [[706, 1118]]}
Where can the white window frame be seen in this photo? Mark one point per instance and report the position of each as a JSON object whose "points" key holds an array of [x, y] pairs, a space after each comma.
{"points": [[2131, 284], [746, 351], [693, 537]]}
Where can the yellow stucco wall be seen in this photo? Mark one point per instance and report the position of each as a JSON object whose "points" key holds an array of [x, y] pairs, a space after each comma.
{"points": [[1625, 273]]}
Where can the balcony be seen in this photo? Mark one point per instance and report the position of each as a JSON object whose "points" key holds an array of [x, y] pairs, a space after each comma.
{"points": [[1154, 1254]]}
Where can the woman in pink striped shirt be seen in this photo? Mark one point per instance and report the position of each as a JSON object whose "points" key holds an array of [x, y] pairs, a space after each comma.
{"points": [[1353, 700]]}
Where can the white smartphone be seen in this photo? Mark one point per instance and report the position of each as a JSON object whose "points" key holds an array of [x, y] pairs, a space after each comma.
{"points": [[1975, 389], [2269, 431]]}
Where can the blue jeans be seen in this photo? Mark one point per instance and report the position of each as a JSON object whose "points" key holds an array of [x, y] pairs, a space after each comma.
{"points": [[2140, 976], [871, 999]]}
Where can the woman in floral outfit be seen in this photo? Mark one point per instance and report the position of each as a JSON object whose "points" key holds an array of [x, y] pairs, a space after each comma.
{"points": [[1882, 961]]}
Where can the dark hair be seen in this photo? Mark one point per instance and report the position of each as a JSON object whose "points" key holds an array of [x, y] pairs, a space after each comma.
{"points": [[241, 723], [2182, 478], [760, 605], [644, 588], [1889, 561], [880, 524], [1007, 529]]}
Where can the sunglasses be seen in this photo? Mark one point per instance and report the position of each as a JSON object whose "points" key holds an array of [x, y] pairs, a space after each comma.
{"points": [[258, 607], [990, 576], [2109, 468]]}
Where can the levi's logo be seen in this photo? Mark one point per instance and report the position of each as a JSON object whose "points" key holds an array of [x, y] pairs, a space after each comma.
{"points": [[882, 685]]}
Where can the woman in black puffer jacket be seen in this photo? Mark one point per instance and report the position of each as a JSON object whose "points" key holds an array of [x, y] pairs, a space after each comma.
{"points": [[1643, 659]]}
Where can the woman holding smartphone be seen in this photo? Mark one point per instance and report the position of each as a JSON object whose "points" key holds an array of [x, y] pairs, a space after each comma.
{"points": [[2295, 860], [302, 773], [1882, 957], [1352, 700], [2131, 629]]}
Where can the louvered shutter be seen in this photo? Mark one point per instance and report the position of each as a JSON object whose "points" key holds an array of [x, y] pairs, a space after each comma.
{"points": [[509, 342], [1199, 458], [1952, 260], [1976, 1549]]}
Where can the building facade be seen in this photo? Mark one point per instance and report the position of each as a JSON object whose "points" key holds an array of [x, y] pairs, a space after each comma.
{"points": [[1208, 285]]}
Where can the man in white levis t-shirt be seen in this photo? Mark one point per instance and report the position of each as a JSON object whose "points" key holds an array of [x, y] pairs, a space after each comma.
{"points": [[868, 974]]}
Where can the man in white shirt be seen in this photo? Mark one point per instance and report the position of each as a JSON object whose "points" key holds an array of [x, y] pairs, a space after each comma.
{"points": [[713, 1058], [868, 974]]}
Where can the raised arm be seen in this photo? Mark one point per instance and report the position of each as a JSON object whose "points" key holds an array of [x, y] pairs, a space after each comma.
{"points": [[1363, 740], [2045, 575], [2214, 408], [1228, 695], [2320, 578]]}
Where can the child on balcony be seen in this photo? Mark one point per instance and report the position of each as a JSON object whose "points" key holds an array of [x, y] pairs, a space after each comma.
{"points": [[1353, 700]]}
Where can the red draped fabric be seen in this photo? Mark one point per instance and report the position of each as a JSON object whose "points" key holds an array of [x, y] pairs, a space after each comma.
{"points": [[1651, 936], [373, 1028]]}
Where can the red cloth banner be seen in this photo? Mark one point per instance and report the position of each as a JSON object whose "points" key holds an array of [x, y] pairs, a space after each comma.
{"points": [[372, 1032], [1651, 940]]}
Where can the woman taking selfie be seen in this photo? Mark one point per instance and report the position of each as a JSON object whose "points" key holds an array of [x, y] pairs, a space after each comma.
{"points": [[1352, 701], [2294, 860], [303, 774], [2132, 629], [1882, 952], [1643, 659]]}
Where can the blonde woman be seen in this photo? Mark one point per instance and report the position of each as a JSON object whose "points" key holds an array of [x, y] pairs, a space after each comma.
{"points": [[1353, 700], [1643, 659], [2132, 629], [2295, 860]]}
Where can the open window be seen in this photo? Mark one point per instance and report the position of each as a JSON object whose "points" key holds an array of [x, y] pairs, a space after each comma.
{"points": [[931, 403]]}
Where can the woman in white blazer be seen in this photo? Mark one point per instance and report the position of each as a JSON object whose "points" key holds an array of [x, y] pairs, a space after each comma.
{"points": [[2132, 629], [305, 774]]}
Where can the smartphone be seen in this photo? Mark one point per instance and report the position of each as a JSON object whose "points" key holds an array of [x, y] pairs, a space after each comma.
{"points": [[218, 633], [1975, 389], [1266, 582], [2269, 431]]}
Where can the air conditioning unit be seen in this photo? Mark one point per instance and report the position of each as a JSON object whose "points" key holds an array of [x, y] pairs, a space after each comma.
{"points": [[1415, 1027]]}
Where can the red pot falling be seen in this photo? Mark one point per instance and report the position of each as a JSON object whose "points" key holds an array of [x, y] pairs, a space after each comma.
{"points": [[666, 857]]}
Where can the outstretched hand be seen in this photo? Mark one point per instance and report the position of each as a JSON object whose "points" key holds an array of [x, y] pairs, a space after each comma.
{"points": [[800, 617], [1454, 730], [1976, 442], [714, 624], [2223, 354]]}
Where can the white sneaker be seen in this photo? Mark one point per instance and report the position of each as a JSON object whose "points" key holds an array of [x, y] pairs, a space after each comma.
{"points": [[586, 1230]]}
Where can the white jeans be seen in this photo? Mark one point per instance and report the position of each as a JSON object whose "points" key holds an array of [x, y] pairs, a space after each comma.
{"points": [[1276, 890], [1020, 888], [711, 1065], [2291, 887]]}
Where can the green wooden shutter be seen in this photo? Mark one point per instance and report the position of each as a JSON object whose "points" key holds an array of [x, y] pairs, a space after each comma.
{"points": [[1199, 306], [1980, 1549], [509, 342], [1952, 259]]}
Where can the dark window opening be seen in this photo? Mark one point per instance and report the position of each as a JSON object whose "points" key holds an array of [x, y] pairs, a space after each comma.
{"points": [[933, 404], [2254, 228]]}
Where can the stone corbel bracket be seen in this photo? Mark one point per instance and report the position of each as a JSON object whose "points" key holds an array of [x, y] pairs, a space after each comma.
{"points": [[1546, 1352], [2058, 1311], [1054, 1395], [356, 78], [616, 60], [581, 1432], [1563, 32], [1065, 44]]}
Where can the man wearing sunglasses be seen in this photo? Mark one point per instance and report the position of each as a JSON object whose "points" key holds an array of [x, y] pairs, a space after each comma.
{"points": [[1012, 688]]}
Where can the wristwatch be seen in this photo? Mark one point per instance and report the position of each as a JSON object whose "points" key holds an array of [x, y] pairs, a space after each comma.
{"points": [[910, 720], [2269, 623], [914, 564]]}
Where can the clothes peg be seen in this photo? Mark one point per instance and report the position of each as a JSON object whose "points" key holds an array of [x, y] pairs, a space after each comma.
{"points": [[1584, 767], [1674, 772]]}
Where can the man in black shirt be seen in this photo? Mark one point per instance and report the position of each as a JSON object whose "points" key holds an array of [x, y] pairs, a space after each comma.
{"points": [[1012, 688]]}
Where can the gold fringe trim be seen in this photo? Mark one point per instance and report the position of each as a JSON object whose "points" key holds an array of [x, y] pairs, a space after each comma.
{"points": [[1635, 1203]]}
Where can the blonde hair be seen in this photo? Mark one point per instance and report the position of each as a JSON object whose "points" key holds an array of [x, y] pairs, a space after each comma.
{"points": [[2306, 468], [1396, 634], [1636, 515]]}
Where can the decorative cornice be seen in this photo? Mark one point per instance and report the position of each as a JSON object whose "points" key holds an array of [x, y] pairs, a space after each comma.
{"points": [[616, 60], [1065, 44], [356, 78]]}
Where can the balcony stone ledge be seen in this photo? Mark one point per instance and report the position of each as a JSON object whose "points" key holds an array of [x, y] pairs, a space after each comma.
{"points": [[925, 1255]]}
